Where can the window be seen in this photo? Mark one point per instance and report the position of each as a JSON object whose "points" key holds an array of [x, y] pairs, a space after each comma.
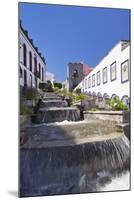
{"points": [[36, 82], [89, 82], [25, 78], [125, 71], [93, 80], [104, 75], [113, 71], [42, 74], [85, 83], [31, 81], [35, 64], [24, 55], [75, 73], [98, 78], [39, 71], [21, 72], [30, 61]]}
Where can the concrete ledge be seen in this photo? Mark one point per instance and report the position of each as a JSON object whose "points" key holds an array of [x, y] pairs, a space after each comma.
{"points": [[116, 116], [125, 127], [24, 120]]}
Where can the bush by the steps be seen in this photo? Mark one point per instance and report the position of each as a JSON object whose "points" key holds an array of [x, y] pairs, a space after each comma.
{"points": [[28, 98], [25, 110], [117, 104], [30, 93], [46, 87], [43, 86], [58, 85]]}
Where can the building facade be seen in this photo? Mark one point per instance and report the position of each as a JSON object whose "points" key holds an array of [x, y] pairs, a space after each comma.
{"points": [[112, 75], [75, 73], [32, 66]]}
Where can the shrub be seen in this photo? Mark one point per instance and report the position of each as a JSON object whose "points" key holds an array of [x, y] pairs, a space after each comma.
{"points": [[117, 104], [43, 86], [80, 97], [58, 85], [30, 93], [78, 91], [56, 89], [24, 110], [49, 86], [64, 92], [94, 109], [46, 87]]}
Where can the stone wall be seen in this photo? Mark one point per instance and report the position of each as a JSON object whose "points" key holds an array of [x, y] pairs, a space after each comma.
{"points": [[24, 121], [120, 118], [116, 116]]}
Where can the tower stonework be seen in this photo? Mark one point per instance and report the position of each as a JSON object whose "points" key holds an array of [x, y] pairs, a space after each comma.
{"points": [[74, 75]]}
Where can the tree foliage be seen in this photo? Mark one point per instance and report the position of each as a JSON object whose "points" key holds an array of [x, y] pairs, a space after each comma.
{"points": [[58, 85]]}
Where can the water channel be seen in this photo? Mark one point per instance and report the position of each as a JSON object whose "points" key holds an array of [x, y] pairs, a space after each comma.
{"points": [[63, 154]]}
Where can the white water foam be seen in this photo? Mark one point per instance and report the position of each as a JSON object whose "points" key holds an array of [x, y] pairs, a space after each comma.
{"points": [[65, 122], [118, 183]]}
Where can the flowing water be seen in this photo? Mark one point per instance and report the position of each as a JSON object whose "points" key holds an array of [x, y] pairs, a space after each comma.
{"points": [[118, 183], [64, 157]]}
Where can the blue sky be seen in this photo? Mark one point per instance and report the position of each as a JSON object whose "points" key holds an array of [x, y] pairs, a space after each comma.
{"points": [[66, 34]]}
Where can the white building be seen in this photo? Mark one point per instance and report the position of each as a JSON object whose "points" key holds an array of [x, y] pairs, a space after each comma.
{"points": [[112, 75], [32, 64], [64, 84], [50, 77]]}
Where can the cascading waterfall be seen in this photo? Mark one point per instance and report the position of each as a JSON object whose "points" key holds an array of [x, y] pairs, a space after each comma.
{"points": [[72, 169], [61, 158], [54, 109]]}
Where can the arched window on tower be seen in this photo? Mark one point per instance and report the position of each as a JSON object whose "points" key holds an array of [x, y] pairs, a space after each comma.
{"points": [[24, 55], [75, 73]]}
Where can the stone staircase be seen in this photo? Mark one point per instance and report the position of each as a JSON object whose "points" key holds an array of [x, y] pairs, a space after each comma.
{"points": [[53, 108]]}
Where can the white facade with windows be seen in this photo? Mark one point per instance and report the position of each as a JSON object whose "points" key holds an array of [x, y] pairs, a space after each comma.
{"points": [[32, 67], [112, 75]]}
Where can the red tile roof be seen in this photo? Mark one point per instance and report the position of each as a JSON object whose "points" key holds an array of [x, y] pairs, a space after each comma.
{"points": [[86, 69]]}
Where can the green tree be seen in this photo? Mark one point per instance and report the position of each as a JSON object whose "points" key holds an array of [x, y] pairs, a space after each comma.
{"points": [[58, 85]]}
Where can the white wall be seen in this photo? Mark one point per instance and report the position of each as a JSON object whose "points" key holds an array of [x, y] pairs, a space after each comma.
{"points": [[111, 87], [23, 39]]}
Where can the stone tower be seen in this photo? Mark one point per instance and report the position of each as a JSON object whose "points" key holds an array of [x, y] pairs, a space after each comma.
{"points": [[74, 75]]}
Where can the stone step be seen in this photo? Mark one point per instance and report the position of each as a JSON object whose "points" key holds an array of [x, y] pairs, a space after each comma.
{"points": [[57, 114], [52, 98], [54, 103], [125, 127], [51, 95], [63, 132], [49, 138]]}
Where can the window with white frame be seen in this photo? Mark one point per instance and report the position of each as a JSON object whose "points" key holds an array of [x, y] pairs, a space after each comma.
{"points": [[89, 82]]}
